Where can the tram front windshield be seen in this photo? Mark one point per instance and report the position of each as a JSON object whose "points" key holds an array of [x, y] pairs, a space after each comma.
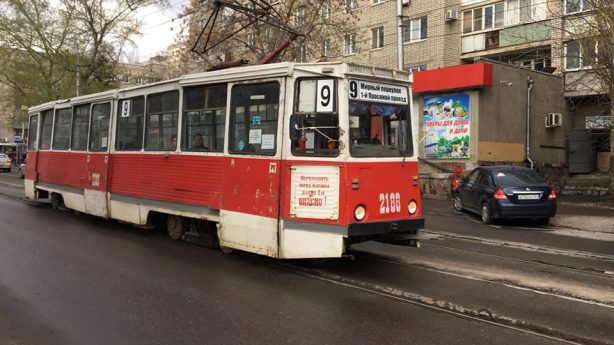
{"points": [[379, 130]]}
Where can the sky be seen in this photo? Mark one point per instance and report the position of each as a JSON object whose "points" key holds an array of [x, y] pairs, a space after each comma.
{"points": [[159, 30]]}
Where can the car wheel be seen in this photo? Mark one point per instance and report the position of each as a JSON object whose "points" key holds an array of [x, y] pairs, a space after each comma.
{"points": [[458, 202], [486, 213], [543, 221]]}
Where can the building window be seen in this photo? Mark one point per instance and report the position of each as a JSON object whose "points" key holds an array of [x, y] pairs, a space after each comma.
{"points": [[525, 11], [416, 68], [204, 118], [484, 18], [377, 36], [580, 54], [350, 44], [299, 16], [302, 57], [414, 29], [351, 5], [250, 39], [326, 9], [326, 48], [161, 121], [575, 6], [375, 2]]}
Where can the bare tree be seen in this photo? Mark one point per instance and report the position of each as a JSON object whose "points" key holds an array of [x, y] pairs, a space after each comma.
{"points": [[58, 49], [319, 24], [587, 30]]}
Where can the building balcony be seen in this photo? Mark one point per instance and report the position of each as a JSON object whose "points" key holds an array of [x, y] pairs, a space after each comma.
{"points": [[505, 39], [583, 83]]}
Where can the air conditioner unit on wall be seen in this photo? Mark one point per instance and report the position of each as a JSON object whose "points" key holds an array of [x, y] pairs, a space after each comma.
{"points": [[554, 120], [405, 2], [451, 15]]}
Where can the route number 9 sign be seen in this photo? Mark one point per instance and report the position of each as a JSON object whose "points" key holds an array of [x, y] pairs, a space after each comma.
{"points": [[325, 98]]}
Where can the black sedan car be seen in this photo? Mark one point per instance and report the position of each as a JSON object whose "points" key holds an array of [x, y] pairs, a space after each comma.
{"points": [[505, 192]]}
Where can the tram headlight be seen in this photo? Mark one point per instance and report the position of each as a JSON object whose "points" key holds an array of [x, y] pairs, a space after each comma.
{"points": [[360, 212], [412, 207]]}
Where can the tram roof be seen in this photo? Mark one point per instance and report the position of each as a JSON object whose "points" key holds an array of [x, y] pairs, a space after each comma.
{"points": [[334, 69]]}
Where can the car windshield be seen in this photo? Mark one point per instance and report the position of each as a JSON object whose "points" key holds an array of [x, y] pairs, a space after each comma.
{"points": [[378, 130], [516, 178]]}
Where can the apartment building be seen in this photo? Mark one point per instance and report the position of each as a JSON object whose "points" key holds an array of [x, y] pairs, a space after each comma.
{"points": [[429, 35]]}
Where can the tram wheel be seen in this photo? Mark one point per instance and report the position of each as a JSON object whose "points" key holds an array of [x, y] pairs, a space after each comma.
{"points": [[175, 226], [56, 201], [226, 250]]}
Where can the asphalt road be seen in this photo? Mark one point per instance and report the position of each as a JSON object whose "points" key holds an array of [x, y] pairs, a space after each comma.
{"points": [[76, 279]]}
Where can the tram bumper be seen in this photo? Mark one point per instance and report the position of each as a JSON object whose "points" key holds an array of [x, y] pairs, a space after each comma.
{"points": [[400, 232]]}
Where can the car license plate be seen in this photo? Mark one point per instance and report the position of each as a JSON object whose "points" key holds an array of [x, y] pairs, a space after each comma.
{"points": [[528, 197]]}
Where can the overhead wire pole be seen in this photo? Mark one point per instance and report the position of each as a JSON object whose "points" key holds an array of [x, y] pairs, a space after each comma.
{"points": [[400, 35]]}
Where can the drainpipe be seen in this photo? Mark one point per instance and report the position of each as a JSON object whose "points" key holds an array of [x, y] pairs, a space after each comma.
{"points": [[529, 88]]}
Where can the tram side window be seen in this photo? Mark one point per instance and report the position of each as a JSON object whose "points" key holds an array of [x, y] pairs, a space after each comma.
{"points": [[99, 127], [253, 118], [80, 126], [130, 124], [204, 118], [32, 131], [161, 121], [61, 132], [315, 123], [46, 129]]}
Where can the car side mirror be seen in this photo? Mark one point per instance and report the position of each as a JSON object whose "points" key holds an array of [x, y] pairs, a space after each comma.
{"points": [[295, 129]]}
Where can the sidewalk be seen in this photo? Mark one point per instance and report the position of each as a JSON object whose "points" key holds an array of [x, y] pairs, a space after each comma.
{"points": [[585, 213], [595, 214]]}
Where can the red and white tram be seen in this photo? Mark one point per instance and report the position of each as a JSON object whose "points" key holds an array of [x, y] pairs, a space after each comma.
{"points": [[286, 160]]}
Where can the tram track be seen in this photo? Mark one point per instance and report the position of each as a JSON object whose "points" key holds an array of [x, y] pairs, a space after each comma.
{"points": [[523, 246], [545, 228], [591, 271], [482, 315], [504, 282]]}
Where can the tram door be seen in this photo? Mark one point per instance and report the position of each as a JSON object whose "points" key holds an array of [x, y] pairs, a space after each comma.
{"points": [[97, 161], [249, 216], [31, 175]]}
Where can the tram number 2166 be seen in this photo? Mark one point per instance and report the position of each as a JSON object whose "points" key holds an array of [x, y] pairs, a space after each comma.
{"points": [[389, 203]]}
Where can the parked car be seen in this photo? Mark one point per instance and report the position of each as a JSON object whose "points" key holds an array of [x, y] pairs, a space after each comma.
{"points": [[5, 162], [22, 170], [505, 192]]}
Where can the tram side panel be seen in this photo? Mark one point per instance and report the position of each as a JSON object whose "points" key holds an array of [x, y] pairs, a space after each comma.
{"points": [[64, 173], [97, 184], [30, 177], [250, 205], [313, 215], [171, 183]]}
